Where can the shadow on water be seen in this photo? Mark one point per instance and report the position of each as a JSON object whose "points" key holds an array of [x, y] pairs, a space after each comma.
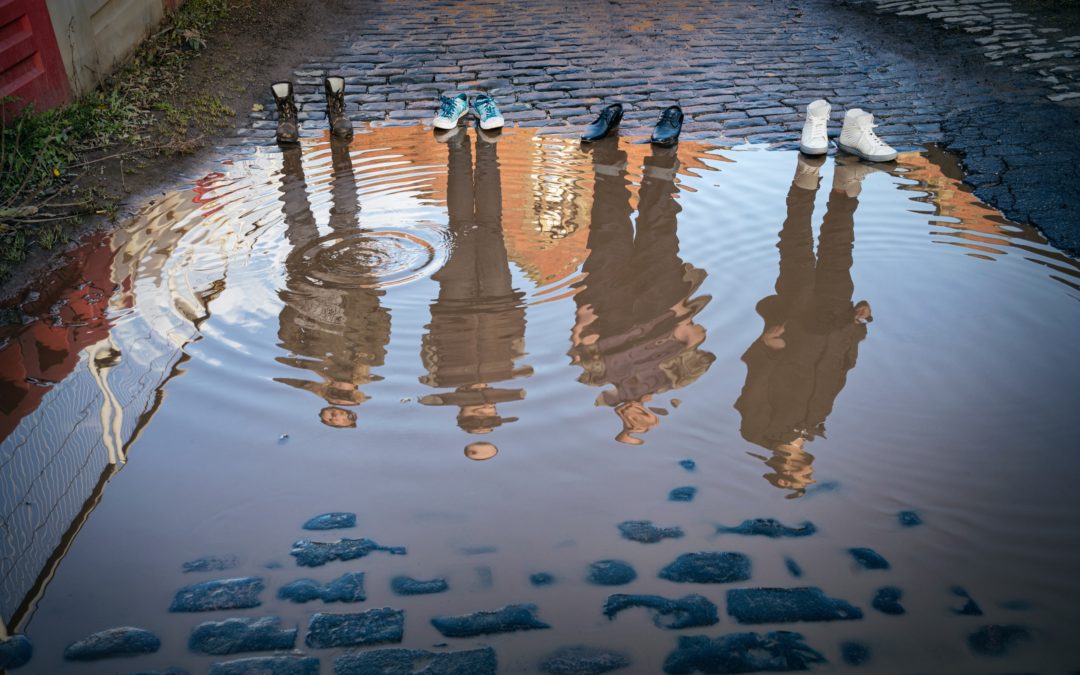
{"points": [[534, 287]]}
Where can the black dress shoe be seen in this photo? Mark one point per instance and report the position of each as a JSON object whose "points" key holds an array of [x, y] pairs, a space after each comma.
{"points": [[668, 127], [608, 119]]}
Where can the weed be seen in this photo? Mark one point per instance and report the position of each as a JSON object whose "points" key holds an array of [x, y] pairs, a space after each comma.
{"points": [[50, 235], [42, 151]]}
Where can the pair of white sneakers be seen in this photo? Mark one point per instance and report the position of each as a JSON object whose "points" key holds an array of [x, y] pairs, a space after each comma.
{"points": [[856, 136]]}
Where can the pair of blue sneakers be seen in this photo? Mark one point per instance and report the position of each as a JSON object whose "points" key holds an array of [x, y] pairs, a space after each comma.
{"points": [[452, 109]]}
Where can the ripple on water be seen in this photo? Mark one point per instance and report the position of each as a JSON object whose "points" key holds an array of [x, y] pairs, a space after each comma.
{"points": [[576, 292]]}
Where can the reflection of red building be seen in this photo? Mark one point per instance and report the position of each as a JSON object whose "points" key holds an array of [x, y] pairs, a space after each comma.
{"points": [[68, 315]]}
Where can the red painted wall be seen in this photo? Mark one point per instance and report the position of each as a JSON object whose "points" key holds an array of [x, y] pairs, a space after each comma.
{"points": [[30, 64]]}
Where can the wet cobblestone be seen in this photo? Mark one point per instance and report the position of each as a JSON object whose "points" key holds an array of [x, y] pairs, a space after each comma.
{"points": [[742, 72]]}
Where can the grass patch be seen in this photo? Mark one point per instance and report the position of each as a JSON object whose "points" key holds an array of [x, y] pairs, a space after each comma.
{"points": [[43, 154]]}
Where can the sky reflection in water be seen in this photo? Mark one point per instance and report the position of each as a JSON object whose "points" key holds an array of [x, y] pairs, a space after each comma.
{"points": [[551, 306]]}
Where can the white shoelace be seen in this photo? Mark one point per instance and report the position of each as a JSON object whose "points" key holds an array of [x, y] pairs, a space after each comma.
{"points": [[878, 143]]}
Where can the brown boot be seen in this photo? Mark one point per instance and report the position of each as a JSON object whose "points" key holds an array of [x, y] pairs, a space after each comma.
{"points": [[288, 128], [340, 124]]}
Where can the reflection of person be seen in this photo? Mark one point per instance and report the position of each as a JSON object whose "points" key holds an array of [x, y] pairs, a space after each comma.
{"points": [[634, 327], [799, 365], [477, 328], [335, 329]]}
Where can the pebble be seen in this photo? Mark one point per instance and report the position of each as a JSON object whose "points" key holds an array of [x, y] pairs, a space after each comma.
{"points": [[406, 661], [245, 634], [996, 640], [708, 567], [15, 652], [403, 585], [887, 601], [768, 527], [349, 587], [315, 554], [779, 651], [208, 596], [869, 559], [123, 641], [582, 660], [506, 619], [787, 605], [610, 573], [687, 612], [334, 520], [682, 494], [374, 626], [909, 519], [268, 665], [970, 607], [210, 564], [854, 653], [645, 532], [541, 579]]}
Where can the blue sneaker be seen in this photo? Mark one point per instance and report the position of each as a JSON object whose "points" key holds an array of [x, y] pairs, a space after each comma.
{"points": [[490, 117], [450, 111]]}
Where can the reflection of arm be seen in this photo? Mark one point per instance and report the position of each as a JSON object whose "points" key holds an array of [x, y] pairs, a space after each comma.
{"points": [[841, 351], [753, 403]]}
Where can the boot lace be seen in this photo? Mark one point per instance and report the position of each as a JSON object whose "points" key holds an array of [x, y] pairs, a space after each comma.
{"points": [[487, 108], [818, 125], [448, 107]]}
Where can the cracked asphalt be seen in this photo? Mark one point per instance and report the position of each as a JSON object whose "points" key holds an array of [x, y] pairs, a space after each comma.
{"points": [[980, 77]]}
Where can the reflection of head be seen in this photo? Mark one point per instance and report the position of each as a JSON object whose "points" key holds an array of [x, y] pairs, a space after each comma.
{"points": [[792, 468], [339, 418], [636, 419], [480, 451]]}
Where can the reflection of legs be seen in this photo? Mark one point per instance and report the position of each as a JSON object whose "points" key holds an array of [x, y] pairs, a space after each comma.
{"points": [[833, 287], [492, 264], [611, 237], [345, 205], [658, 271], [456, 278], [796, 278], [300, 225]]}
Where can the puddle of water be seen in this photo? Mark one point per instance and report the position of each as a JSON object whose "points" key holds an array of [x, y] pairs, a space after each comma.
{"points": [[206, 379]]}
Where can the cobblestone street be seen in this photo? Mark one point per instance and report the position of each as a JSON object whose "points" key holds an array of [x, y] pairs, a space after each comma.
{"points": [[741, 73]]}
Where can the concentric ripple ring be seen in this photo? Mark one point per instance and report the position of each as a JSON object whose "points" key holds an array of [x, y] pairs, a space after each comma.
{"points": [[367, 258]]}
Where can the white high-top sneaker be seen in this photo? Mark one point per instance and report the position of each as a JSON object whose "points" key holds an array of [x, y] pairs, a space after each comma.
{"points": [[858, 138], [815, 131]]}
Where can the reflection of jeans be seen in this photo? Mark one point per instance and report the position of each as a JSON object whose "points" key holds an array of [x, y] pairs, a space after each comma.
{"points": [[477, 328], [791, 387], [636, 287], [337, 332]]}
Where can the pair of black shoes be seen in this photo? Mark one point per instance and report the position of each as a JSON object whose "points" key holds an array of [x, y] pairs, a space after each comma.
{"points": [[666, 132]]}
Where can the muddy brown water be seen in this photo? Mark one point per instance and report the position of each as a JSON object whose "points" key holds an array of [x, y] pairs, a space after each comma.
{"points": [[493, 353]]}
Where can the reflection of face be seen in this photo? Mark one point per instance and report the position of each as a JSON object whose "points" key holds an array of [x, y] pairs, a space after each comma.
{"points": [[793, 467], [862, 313], [636, 419], [337, 417], [480, 451], [689, 333]]}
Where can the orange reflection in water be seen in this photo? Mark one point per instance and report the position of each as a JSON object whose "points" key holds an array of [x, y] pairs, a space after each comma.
{"points": [[65, 314]]}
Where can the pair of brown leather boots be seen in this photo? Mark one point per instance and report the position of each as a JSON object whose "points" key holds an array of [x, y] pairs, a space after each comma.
{"points": [[288, 126]]}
